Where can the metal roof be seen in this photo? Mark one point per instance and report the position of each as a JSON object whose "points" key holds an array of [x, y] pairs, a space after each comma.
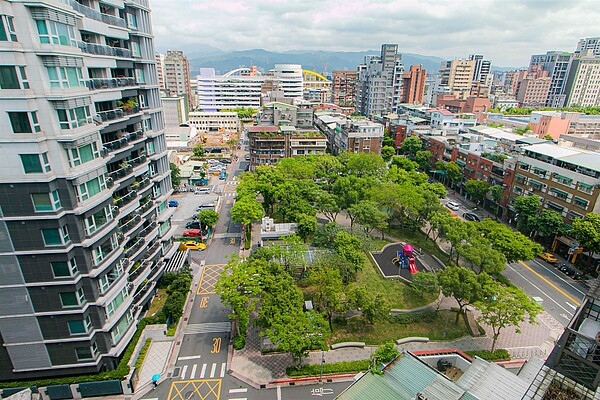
{"points": [[489, 381]]}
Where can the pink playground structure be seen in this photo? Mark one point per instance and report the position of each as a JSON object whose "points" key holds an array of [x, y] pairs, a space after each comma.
{"points": [[405, 259]]}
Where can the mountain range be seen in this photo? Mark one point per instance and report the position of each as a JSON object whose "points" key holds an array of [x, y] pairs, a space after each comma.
{"points": [[318, 60]]}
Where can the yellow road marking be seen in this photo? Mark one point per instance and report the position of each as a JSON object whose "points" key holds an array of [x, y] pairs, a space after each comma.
{"points": [[205, 389], [550, 283]]}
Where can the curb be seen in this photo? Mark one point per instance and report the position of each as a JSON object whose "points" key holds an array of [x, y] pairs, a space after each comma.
{"points": [[310, 379]]}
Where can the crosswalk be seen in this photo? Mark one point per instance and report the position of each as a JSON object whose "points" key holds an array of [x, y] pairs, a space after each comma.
{"points": [[201, 371], [208, 327], [228, 194], [237, 392]]}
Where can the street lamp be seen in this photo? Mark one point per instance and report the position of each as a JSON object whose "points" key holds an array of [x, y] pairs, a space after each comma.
{"points": [[322, 362]]}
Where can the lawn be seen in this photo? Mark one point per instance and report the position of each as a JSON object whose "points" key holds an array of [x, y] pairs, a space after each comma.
{"points": [[398, 295], [158, 302], [357, 330]]}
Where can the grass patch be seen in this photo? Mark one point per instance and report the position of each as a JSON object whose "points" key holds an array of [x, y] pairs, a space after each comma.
{"points": [[172, 329], [158, 302], [142, 355], [396, 294], [418, 240], [329, 368], [356, 329], [496, 355]]}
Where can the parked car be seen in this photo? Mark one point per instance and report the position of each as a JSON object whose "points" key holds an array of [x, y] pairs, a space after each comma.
{"points": [[471, 217], [192, 233], [453, 206], [205, 206], [247, 157], [191, 245], [223, 175], [173, 203], [202, 190], [548, 257], [193, 225], [226, 161]]}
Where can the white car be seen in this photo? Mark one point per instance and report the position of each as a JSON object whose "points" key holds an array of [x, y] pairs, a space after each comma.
{"points": [[203, 190], [453, 206]]}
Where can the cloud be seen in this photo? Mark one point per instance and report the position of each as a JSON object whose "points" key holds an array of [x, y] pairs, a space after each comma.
{"points": [[506, 31]]}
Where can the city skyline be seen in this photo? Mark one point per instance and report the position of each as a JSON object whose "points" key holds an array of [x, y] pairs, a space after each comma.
{"points": [[508, 33]]}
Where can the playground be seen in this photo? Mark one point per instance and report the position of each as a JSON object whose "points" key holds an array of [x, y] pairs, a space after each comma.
{"points": [[398, 258]]}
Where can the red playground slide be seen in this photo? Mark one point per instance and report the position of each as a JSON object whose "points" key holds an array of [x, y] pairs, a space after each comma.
{"points": [[412, 267]]}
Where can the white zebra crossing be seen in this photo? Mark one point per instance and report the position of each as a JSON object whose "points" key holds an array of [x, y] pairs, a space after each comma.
{"points": [[238, 391], [205, 371]]}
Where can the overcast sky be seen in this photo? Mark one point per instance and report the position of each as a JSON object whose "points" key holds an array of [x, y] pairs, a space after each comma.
{"points": [[505, 31]]}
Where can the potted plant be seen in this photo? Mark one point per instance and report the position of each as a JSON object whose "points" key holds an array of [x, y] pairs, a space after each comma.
{"points": [[127, 105]]}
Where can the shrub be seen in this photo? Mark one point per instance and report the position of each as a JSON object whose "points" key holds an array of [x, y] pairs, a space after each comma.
{"points": [[142, 355], [496, 355], [333, 368], [239, 342]]}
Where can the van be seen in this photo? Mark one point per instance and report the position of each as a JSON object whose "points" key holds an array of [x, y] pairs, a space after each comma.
{"points": [[202, 190], [207, 206]]}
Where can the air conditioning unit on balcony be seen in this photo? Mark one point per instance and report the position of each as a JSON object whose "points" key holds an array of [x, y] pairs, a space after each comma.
{"points": [[104, 152], [542, 176]]}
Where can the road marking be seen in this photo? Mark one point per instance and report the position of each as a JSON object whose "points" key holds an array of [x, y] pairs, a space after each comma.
{"points": [[540, 290], [203, 372], [240, 398], [571, 305], [559, 277], [565, 316], [223, 366], [278, 392], [193, 373], [207, 389], [549, 283], [183, 371], [188, 358], [241, 390], [213, 370]]}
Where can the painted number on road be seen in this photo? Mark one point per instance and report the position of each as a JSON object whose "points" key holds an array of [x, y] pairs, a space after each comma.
{"points": [[204, 302], [232, 240], [321, 391], [216, 345]]}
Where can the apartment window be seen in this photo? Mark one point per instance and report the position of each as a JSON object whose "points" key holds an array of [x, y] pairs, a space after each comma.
{"points": [[55, 237], [585, 188], [63, 269], [97, 220], [9, 78], [7, 29], [100, 252], [91, 188], [68, 299], [122, 327], [24, 122], [139, 76], [135, 49], [83, 154], [56, 33], [84, 353], [46, 201], [74, 118], [150, 148], [132, 21], [108, 279], [35, 163], [147, 125], [65, 77], [581, 203], [76, 327], [114, 305]]}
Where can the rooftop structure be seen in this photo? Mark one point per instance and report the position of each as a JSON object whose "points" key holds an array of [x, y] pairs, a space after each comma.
{"points": [[350, 134]]}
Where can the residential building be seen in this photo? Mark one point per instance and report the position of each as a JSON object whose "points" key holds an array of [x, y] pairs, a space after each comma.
{"points": [[350, 134], [457, 76], [471, 104], [482, 70], [583, 82], [290, 78], [533, 87], [343, 91], [511, 79], [84, 184], [592, 43], [268, 144], [235, 89], [226, 122], [174, 110], [379, 80], [412, 88], [277, 113], [160, 70], [557, 64], [449, 123], [564, 178], [573, 366], [548, 123], [432, 89], [176, 73]]}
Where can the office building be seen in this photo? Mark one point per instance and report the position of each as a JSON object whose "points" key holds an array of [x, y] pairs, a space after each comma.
{"points": [[378, 82], [592, 44], [84, 182], [344, 87], [482, 70], [556, 63], [532, 87], [583, 82], [237, 88], [176, 72], [225, 122], [412, 88]]}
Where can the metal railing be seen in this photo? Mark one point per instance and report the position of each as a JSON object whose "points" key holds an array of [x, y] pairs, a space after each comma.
{"points": [[139, 270], [134, 248], [141, 184], [129, 225], [104, 50], [122, 142], [128, 198], [103, 116], [109, 83], [146, 231], [97, 15], [121, 173]]}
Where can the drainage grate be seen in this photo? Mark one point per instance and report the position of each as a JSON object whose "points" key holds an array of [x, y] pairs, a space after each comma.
{"points": [[176, 372]]}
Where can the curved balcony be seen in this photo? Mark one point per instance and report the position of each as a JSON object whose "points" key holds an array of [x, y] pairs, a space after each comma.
{"points": [[97, 15], [121, 173], [152, 252], [144, 183], [139, 270], [123, 142], [131, 251], [131, 225], [128, 198], [146, 231], [103, 50], [117, 113], [109, 83]]}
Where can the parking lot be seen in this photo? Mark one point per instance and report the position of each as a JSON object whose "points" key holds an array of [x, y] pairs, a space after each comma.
{"points": [[187, 207]]}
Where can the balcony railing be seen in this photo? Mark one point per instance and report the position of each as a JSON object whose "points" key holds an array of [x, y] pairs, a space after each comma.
{"points": [[97, 15], [128, 198], [141, 184], [148, 229], [152, 250], [129, 225], [103, 50], [103, 116], [145, 207], [138, 160], [134, 248], [122, 142], [121, 173], [109, 83], [144, 266]]}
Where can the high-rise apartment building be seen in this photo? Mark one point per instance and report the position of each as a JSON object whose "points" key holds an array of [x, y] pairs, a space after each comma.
{"points": [[379, 80], [457, 76], [176, 73], [290, 79], [84, 181], [557, 64], [412, 88], [343, 91], [582, 85], [160, 66], [592, 43], [482, 70], [532, 87]]}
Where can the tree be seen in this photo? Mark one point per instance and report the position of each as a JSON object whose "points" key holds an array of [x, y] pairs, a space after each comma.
{"points": [[477, 189], [387, 152], [365, 164], [368, 214], [549, 223], [325, 235], [404, 163], [372, 305], [329, 290], [326, 204], [389, 142], [307, 225], [527, 208], [174, 307], [497, 194], [384, 354], [587, 233], [423, 158], [198, 150], [513, 245], [425, 283], [175, 175], [348, 247], [208, 217], [453, 172], [463, 285], [246, 210], [411, 145], [504, 307]]}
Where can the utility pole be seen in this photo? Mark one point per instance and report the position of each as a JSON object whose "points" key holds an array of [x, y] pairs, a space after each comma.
{"points": [[322, 362]]}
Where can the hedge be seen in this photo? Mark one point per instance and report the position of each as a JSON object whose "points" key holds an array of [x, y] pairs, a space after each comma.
{"points": [[332, 368], [496, 355], [413, 317], [142, 355], [239, 342]]}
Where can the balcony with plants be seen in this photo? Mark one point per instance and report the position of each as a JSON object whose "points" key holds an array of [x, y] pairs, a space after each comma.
{"points": [[130, 225], [134, 247], [146, 204], [110, 110]]}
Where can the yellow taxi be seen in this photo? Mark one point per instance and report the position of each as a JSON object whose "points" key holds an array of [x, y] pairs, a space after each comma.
{"points": [[191, 245], [549, 257]]}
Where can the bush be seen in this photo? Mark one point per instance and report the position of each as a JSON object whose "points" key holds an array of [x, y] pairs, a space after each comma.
{"points": [[496, 355], [142, 355], [503, 280], [333, 368], [239, 342], [412, 318]]}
